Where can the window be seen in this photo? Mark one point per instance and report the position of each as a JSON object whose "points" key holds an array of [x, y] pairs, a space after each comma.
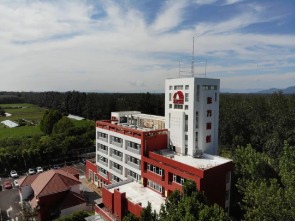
{"points": [[170, 106], [186, 137], [186, 123], [227, 195], [133, 145], [103, 135], [102, 147], [209, 87], [169, 120], [186, 97], [209, 126], [177, 106], [186, 87], [196, 140], [228, 177], [116, 139], [91, 175], [209, 113], [155, 169], [197, 94], [179, 87], [155, 186], [186, 107], [215, 97], [196, 120], [209, 100], [208, 139], [171, 87], [116, 153], [133, 160], [170, 96], [132, 174], [178, 179]]}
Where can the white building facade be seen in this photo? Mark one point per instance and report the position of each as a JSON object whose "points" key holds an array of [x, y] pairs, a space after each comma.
{"points": [[192, 115]]}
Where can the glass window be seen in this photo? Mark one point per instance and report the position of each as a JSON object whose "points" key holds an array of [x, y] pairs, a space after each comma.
{"points": [[170, 96], [186, 97], [197, 94], [186, 87], [186, 107], [179, 87], [170, 106], [171, 87], [178, 106]]}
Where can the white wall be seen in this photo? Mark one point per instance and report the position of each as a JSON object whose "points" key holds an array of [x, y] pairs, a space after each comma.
{"points": [[74, 209], [193, 105], [26, 191], [123, 150]]}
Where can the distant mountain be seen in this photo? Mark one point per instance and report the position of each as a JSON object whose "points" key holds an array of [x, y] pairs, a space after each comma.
{"points": [[289, 90], [226, 90]]}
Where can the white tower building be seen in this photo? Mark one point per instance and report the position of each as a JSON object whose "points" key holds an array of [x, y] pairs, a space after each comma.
{"points": [[192, 115]]}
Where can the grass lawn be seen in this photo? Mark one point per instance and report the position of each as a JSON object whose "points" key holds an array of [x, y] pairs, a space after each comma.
{"points": [[18, 104], [20, 131], [83, 122]]}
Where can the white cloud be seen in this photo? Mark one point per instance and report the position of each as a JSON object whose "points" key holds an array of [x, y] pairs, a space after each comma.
{"points": [[170, 16], [118, 50]]}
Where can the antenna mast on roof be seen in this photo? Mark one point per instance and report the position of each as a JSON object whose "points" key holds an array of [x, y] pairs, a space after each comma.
{"points": [[206, 63], [192, 61]]}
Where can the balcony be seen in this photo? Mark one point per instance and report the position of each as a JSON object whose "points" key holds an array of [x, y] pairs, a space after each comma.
{"points": [[117, 144], [103, 174], [117, 157], [117, 170], [134, 150], [103, 163], [103, 151], [136, 166], [103, 139]]}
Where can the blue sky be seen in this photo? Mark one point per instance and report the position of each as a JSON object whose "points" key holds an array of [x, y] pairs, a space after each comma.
{"points": [[133, 46]]}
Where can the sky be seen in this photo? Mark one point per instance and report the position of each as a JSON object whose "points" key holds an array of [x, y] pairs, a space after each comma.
{"points": [[133, 46]]}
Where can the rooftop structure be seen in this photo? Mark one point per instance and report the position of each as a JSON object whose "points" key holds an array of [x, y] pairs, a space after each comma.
{"points": [[136, 193], [75, 117], [9, 123]]}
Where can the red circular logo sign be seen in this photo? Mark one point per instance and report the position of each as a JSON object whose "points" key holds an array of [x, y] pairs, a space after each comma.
{"points": [[179, 98]]}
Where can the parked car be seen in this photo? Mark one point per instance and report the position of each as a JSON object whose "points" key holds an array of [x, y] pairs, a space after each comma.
{"points": [[55, 167], [13, 174], [31, 171], [83, 160], [7, 185], [39, 169], [16, 183]]}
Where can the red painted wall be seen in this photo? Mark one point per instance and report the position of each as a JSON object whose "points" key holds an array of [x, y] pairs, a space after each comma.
{"points": [[120, 206], [94, 168], [107, 198], [47, 202]]}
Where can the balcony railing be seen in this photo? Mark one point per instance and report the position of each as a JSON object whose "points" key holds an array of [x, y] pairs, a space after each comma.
{"points": [[116, 170], [103, 151], [136, 166], [103, 139], [134, 150], [117, 157], [103, 174], [103, 163], [117, 144]]}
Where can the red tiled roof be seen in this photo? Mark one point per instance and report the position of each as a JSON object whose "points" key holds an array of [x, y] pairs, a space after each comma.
{"points": [[72, 199], [71, 170], [53, 181], [27, 180]]}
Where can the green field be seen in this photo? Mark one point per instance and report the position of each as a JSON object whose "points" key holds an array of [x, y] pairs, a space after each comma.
{"points": [[33, 114], [83, 122], [18, 104], [20, 131]]}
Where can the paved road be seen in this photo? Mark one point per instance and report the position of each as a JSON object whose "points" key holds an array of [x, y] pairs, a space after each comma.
{"points": [[9, 198]]}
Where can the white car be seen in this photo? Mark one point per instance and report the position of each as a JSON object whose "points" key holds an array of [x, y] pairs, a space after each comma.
{"points": [[31, 171], [16, 183], [39, 169], [13, 174]]}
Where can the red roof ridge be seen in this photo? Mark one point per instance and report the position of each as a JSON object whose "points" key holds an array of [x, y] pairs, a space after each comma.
{"points": [[45, 184], [22, 180]]}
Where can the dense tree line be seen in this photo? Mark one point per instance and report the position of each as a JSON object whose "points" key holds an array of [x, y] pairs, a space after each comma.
{"points": [[186, 205], [61, 141]]}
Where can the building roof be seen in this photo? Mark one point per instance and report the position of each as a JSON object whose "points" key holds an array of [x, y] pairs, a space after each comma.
{"points": [[72, 199], [9, 123], [137, 193], [71, 170], [75, 117], [204, 162], [26, 181]]}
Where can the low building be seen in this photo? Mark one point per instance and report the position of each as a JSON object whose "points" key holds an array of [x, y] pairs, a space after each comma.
{"points": [[54, 193]]}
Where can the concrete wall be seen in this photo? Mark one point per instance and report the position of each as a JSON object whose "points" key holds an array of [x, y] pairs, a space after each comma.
{"points": [[25, 192], [74, 209], [175, 118]]}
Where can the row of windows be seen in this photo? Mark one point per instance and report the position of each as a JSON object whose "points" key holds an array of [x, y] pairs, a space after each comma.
{"points": [[209, 87], [134, 145], [102, 170], [133, 160], [178, 179], [179, 87], [102, 147], [133, 175], [155, 169], [116, 165], [116, 153], [155, 186], [115, 178], [102, 159], [103, 135], [116, 139]]}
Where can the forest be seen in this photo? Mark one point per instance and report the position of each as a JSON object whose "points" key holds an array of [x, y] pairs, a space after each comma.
{"points": [[256, 131]]}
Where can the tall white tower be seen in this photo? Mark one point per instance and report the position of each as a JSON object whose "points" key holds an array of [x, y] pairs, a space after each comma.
{"points": [[192, 114]]}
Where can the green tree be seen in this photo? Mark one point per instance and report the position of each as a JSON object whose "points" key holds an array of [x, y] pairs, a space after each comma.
{"points": [[27, 213], [77, 216], [131, 217], [50, 118], [63, 125]]}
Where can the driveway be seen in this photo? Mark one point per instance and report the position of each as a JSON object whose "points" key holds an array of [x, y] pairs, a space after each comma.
{"points": [[9, 201]]}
